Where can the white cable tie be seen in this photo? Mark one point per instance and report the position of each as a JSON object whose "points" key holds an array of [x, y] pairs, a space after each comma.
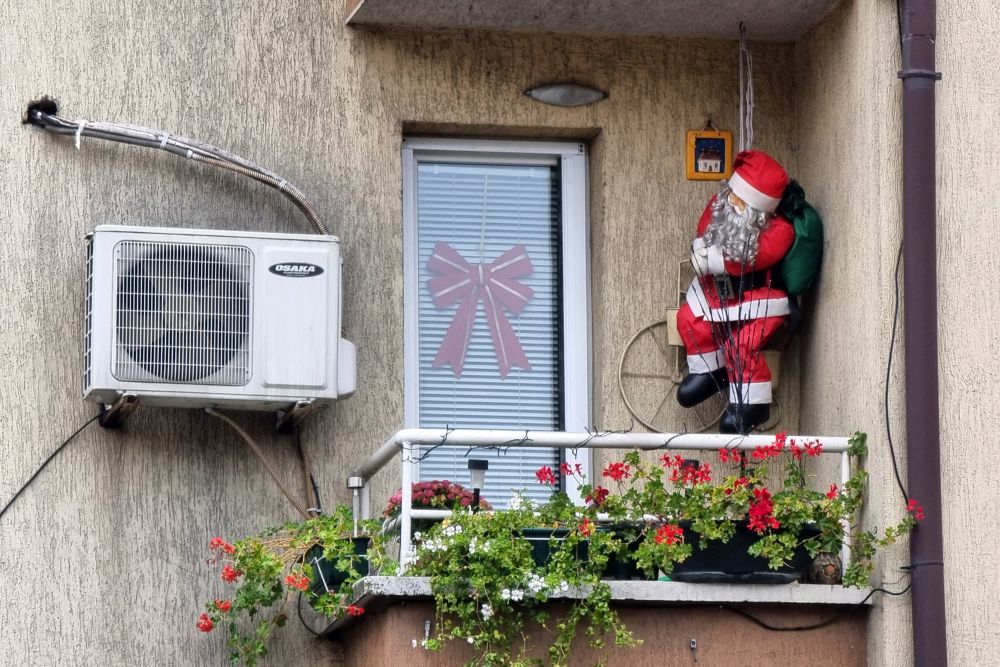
{"points": [[190, 154], [163, 140], [79, 133], [281, 185]]}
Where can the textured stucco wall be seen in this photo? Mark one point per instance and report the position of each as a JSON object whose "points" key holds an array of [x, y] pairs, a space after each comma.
{"points": [[848, 154], [102, 558], [849, 146], [969, 247]]}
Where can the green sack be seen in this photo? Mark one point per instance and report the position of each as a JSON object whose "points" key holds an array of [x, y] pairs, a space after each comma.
{"points": [[800, 267]]}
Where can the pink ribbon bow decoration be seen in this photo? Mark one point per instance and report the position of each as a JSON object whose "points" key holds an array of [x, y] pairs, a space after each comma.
{"points": [[495, 285]]}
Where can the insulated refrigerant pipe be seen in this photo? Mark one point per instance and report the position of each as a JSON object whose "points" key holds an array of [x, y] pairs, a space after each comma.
{"points": [[923, 464]]}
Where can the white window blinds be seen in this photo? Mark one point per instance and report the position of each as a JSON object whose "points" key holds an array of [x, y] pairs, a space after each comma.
{"points": [[491, 215]]}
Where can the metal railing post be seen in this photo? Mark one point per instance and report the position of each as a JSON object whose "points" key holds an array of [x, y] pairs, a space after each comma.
{"points": [[845, 550], [405, 536]]}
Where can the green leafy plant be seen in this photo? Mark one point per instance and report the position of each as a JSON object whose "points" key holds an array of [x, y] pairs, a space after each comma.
{"points": [[665, 502], [269, 568], [490, 585]]}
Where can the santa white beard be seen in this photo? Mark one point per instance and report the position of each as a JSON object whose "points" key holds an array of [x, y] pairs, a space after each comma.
{"points": [[733, 231]]}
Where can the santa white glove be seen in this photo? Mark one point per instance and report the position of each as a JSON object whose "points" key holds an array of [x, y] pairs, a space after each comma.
{"points": [[707, 260]]}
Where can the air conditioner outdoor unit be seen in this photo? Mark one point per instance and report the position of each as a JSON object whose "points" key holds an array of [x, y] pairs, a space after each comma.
{"points": [[196, 318]]}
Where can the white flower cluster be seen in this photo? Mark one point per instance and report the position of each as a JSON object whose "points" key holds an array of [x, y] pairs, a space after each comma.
{"points": [[474, 546], [487, 611], [535, 583], [519, 502], [515, 595], [433, 545]]}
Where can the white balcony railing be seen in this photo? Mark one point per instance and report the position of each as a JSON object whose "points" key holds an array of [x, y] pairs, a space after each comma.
{"points": [[407, 442]]}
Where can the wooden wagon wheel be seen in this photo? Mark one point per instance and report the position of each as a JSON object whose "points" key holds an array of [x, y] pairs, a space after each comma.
{"points": [[648, 374]]}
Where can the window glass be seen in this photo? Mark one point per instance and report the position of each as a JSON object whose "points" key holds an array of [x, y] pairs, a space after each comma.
{"points": [[497, 304], [489, 313]]}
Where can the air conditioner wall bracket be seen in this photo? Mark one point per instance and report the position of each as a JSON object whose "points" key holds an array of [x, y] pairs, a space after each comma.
{"points": [[114, 415], [289, 419]]}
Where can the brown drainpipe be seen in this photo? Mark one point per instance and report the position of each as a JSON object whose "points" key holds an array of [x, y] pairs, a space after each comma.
{"points": [[918, 17]]}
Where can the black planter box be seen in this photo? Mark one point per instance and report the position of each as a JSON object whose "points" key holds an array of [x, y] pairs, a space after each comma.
{"points": [[327, 576], [730, 562]]}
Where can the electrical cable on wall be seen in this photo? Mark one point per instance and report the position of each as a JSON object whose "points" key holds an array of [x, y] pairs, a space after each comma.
{"points": [[814, 626], [46, 462], [895, 321], [43, 114]]}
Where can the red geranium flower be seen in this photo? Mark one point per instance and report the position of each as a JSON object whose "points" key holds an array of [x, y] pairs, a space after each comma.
{"points": [[586, 528], [598, 495], [674, 461], [737, 483], [354, 610], [223, 605], [761, 508], [914, 508], [231, 574], [832, 493], [545, 475], [205, 623], [618, 471], [295, 581], [669, 534], [730, 455], [692, 473]]}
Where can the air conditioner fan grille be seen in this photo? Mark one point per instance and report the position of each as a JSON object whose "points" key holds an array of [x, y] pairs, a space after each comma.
{"points": [[183, 313]]}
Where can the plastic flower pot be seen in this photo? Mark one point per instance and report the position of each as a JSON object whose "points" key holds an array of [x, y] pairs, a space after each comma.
{"points": [[622, 565], [546, 540], [730, 563], [327, 576]]}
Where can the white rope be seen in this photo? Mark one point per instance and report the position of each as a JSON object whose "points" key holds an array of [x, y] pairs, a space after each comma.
{"points": [[746, 93]]}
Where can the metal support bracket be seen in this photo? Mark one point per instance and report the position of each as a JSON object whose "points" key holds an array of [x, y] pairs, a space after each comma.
{"points": [[113, 416], [289, 419], [918, 74]]}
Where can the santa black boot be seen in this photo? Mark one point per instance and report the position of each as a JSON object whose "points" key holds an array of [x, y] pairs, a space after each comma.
{"points": [[741, 418], [697, 387]]}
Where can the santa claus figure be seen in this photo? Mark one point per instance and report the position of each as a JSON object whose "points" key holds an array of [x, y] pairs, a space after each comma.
{"points": [[735, 304]]}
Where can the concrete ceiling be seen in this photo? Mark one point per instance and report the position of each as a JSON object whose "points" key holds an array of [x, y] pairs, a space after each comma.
{"points": [[769, 20]]}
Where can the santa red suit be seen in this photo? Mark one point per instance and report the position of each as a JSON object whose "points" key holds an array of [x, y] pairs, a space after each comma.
{"points": [[735, 306]]}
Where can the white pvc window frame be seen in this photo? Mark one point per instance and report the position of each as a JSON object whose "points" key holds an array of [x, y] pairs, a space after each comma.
{"points": [[576, 346]]}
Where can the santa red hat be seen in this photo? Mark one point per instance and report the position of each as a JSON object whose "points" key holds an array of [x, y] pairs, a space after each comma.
{"points": [[758, 179]]}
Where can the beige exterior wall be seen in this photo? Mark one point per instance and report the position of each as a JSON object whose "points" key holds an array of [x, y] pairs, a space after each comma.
{"points": [[850, 158], [968, 247], [103, 557], [849, 132]]}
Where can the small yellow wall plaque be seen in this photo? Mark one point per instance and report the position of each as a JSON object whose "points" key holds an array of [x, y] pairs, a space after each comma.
{"points": [[709, 155]]}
